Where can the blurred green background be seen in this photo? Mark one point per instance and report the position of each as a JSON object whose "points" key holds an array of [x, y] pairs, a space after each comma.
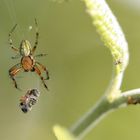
{"points": [[80, 69]]}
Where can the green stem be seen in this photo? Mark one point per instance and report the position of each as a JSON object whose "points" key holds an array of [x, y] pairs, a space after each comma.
{"points": [[101, 109], [90, 119], [112, 36]]}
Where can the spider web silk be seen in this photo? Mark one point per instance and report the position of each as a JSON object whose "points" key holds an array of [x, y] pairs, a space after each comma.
{"points": [[10, 6]]}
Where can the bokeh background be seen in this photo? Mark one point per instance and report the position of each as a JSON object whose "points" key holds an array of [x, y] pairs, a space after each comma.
{"points": [[80, 69]]}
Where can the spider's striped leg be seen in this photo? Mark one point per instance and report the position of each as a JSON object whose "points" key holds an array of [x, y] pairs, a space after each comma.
{"points": [[16, 56], [11, 41], [36, 39], [40, 55], [13, 72], [37, 70], [44, 68]]}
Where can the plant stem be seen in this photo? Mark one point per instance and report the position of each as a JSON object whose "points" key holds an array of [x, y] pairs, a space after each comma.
{"points": [[90, 119], [101, 109], [112, 36]]}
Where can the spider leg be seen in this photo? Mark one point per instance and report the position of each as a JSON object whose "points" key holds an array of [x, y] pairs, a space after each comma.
{"points": [[16, 56], [13, 71], [36, 39], [44, 68], [11, 41], [41, 77], [40, 55]]}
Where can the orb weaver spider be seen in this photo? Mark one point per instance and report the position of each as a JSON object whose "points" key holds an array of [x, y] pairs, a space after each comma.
{"points": [[27, 62]]}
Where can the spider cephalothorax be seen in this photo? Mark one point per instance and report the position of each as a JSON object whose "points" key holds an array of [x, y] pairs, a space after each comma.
{"points": [[27, 63]]}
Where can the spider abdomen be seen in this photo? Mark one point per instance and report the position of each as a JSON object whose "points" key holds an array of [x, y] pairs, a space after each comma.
{"points": [[27, 63]]}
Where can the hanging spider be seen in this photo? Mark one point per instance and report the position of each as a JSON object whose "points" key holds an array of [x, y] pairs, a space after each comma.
{"points": [[27, 62]]}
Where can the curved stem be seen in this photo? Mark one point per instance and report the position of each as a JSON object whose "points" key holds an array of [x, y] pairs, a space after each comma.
{"points": [[90, 119], [112, 36], [101, 109]]}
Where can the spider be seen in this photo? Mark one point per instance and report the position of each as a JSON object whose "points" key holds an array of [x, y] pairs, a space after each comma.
{"points": [[27, 62]]}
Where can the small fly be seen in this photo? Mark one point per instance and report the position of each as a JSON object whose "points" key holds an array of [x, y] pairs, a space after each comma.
{"points": [[28, 100]]}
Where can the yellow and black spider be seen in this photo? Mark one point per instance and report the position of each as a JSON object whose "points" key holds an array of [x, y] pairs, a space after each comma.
{"points": [[27, 62]]}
